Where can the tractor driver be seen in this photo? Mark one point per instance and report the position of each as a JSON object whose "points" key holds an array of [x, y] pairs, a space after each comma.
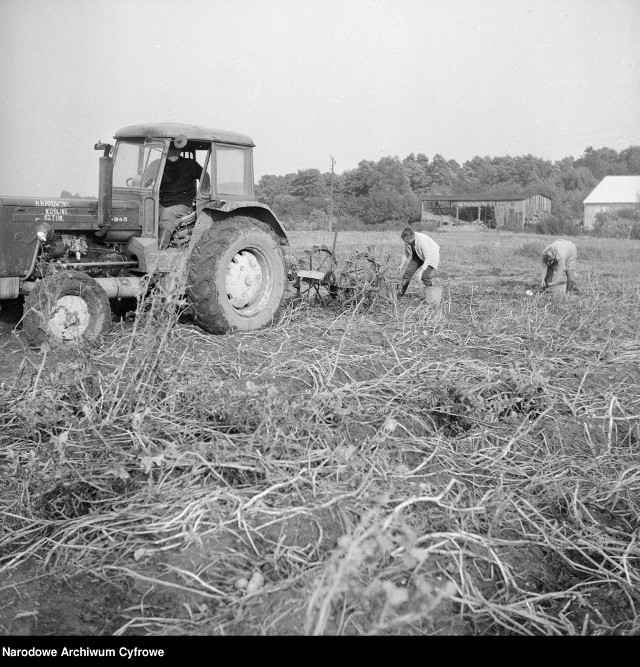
{"points": [[177, 191]]}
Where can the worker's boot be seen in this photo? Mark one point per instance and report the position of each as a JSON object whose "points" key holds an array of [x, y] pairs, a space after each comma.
{"points": [[403, 287], [571, 286]]}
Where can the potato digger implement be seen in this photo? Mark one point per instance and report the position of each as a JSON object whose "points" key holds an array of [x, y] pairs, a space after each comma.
{"points": [[358, 281]]}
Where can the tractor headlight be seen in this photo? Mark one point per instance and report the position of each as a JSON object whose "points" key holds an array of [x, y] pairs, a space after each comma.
{"points": [[44, 232]]}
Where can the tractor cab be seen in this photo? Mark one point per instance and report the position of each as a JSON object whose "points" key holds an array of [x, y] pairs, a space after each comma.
{"points": [[139, 159]]}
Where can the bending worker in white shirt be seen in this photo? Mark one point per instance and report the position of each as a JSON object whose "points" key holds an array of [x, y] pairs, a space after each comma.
{"points": [[421, 255], [558, 259]]}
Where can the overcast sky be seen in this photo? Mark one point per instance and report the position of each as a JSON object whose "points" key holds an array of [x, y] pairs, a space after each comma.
{"points": [[307, 79]]}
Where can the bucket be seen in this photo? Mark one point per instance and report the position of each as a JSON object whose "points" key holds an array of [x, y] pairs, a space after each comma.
{"points": [[433, 295]]}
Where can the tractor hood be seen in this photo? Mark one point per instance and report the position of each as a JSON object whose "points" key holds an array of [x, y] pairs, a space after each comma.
{"points": [[63, 213], [20, 216]]}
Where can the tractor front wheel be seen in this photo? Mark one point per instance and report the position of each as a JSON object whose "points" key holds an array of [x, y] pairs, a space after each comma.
{"points": [[237, 276], [67, 307]]}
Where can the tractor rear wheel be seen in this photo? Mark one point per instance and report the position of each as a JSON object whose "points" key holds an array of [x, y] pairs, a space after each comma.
{"points": [[67, 307], [236, 277]]}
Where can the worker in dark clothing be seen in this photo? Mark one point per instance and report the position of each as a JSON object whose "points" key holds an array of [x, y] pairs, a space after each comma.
{"points": [[177, 192]]}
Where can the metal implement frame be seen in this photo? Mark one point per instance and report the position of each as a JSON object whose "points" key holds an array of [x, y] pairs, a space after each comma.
{"points": [[323, 282], [320, 274]]}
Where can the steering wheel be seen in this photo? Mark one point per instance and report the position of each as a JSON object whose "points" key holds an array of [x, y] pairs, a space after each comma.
{"points": [[133, 182]]}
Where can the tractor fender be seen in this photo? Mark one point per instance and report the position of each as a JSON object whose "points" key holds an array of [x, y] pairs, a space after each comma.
{"points": [[251, 209]]}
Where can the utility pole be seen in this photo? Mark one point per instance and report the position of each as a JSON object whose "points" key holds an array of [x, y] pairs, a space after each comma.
{"points": [[331, 202]]}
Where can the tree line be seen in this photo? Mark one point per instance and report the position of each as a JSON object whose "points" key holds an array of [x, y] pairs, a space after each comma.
{"points": [[390, 190]]}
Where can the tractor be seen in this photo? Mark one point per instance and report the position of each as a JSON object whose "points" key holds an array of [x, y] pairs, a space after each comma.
{"points": [[72, 258]]}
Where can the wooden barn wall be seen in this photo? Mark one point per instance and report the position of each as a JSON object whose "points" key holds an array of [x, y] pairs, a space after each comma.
{"points": [[515, 214], [538, 205], [511, 214]]}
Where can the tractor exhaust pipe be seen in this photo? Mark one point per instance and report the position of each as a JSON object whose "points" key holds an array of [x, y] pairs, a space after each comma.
{"points": [[105, 189]]}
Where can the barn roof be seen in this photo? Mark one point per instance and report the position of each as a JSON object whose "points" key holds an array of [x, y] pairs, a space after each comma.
{"points": [[615, 190], [483, 196]]}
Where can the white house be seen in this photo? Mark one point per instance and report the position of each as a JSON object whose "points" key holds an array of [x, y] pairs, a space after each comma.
{"points": [[613, 193]]}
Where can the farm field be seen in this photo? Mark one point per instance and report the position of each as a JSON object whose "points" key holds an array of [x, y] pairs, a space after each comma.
{"points": [[471, 468]]}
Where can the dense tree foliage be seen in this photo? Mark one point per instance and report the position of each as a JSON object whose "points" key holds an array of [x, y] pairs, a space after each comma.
{"points": [[390, 190]]}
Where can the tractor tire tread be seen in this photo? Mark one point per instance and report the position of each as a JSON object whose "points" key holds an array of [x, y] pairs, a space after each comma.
{"points": [[205, 264]]}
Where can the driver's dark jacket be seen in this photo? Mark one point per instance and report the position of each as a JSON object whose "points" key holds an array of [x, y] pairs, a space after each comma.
{"points": [[178, 185]]}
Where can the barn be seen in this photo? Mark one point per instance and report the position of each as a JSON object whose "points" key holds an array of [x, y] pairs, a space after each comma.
{"points": [[613, 193], [496, 211]]}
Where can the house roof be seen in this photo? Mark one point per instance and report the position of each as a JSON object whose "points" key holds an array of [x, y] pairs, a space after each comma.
{"points": [[478, 197], [615, 190]]}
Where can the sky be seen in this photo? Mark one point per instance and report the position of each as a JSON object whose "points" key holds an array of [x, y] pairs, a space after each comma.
{"points": [[308, 80]]}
